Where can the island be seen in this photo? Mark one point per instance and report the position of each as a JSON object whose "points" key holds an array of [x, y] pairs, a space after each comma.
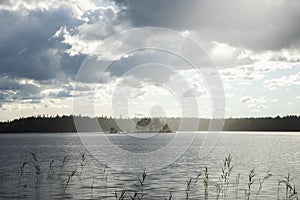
{"points": [[155, 125]]}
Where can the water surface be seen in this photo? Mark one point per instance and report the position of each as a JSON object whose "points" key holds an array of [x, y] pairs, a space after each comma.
{"points": [[277, 152]]}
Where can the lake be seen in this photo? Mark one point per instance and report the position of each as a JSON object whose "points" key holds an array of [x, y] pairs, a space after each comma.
{"points": [[50, 160]]}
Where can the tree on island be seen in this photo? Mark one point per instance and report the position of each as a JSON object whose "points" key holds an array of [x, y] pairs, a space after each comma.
{"points": [[143, 124], [165, 129], [113, 130], [147, 124], [156, 125]]}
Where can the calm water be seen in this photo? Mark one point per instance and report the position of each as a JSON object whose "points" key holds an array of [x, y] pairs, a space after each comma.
{"points": [[277, 152]]}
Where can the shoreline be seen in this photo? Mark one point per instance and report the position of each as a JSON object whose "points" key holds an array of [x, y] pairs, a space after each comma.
{"points": [[123, 133]]}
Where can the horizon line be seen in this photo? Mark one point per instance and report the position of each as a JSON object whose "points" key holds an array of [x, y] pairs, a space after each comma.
{"points": [[46, 116]]}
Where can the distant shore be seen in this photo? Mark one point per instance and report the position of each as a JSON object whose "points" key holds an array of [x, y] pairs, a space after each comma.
{"points": [[60, 124]]}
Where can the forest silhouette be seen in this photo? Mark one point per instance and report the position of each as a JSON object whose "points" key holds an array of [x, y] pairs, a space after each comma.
{"points": [[55, 124]]}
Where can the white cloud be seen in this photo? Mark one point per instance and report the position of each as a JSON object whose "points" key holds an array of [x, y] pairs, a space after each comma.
{"points": [[196, 91], [256, 110], [251, 100], [99, 24], [259, 70], [284, 81], [274, 100], [222, 49], [78, 7], [256, 104], [242, 74], [282, 55]]}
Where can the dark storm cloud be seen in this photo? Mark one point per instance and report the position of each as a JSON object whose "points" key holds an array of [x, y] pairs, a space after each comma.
{"points": [[2, 97], [70, 64], [257, 25], [63, 94], [27, 48], [6, 2], [11, 90], [8, 84], [125, 65], [28, 91], [148, 64], [60, 94]]}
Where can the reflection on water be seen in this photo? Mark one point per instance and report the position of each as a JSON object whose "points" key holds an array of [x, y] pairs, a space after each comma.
{"points": [[23, 176]]}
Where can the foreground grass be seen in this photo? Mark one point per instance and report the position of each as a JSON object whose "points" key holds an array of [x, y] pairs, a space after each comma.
{"points": [[203, 185]]}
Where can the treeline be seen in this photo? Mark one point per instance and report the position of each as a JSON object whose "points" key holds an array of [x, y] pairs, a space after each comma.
{"points": [[43, 124]]}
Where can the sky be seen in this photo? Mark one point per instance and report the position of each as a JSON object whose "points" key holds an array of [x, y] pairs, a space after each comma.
{"points": [[252, 47]]}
